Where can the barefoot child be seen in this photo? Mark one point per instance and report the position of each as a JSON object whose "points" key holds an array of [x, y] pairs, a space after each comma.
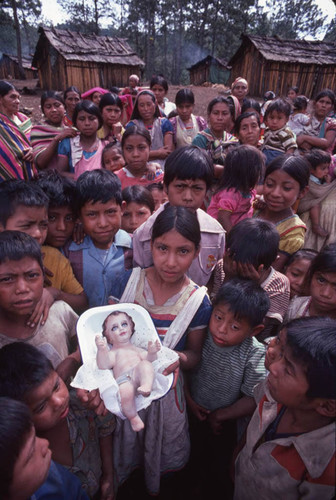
{"points": [[132, 366], [78, 439], [290, 443]]}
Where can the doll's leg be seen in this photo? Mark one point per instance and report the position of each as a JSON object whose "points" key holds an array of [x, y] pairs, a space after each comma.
{"points": [[127, 398], [145, 374]]}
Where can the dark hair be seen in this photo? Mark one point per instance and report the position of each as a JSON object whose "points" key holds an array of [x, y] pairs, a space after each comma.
{"points": [[114, 90], [253, 241], [16, 192], [324, 262], [317, 157], [72, 88], [269, 95], [15, 425], [189, 162], [159, 80], [15, 245], [251, 103], [279, 105], [312, 344], [304, 253], [59, 189], [221, 99], [139, 195], [136, 130], [155, 185], [300, 103], [110, 99], [242, 117], [23, 367], [326, 93], [111, 145], [89, 107], [51, 94], [184, 96], [5, 88], [97, 185], [295, 166], [245, 298], [181, 219], [242, 170], [135, 113], [116, 313], [296, 89]]}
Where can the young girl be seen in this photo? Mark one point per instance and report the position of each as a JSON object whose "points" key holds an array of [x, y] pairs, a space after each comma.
{"points": [[83, 152], [186, 125], [111, 108], [46, 136], [112, 157], [159, 86], [322, 285], [180, 311], [146, 113], [136, 143], [299, 118], [215, 137], [139, 206], [236, 192], [297, 269], [286, 181], [71, 97]]}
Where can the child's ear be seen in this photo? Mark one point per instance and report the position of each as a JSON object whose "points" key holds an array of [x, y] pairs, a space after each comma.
{"points": [[123, 206], [256, 330], [303, 192], [327, 408]]}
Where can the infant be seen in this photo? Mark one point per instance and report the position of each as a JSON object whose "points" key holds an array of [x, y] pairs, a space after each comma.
{"points": [[132, 366]]}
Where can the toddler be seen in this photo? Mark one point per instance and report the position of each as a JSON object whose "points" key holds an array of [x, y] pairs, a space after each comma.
{"points": [[112, 157], [139, 206], [278, 137], [299, 118]]}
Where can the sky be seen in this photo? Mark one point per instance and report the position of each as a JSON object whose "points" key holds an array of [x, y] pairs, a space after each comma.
{"points": [[53, 12]]}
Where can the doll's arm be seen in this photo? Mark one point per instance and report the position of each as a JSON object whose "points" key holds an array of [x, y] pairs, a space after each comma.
{"points": [[152, 350], [105, 359]]}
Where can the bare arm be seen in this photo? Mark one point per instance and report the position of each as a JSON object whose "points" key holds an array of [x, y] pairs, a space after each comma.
{"points": [[78, 302], [317, 142], [191, 356], [241, 408], [165, 151], [106, 480], [43, 159], [224, 218]]}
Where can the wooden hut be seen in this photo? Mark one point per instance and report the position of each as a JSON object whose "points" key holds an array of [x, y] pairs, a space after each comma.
{"points": [[210, 69], [65, 58], [9, 68], [276, 64]]}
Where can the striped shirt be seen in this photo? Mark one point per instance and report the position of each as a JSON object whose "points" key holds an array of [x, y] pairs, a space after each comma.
{"points": [[225, 373]]}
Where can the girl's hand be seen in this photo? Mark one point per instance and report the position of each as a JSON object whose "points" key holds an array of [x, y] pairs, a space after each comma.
{"points": [[66, 132], [92, 401], [42, 309], [28, 154], [171, 368], [163, 152]]}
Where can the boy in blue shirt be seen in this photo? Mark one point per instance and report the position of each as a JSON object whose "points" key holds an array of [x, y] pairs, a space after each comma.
{"points": [[106, 251]]}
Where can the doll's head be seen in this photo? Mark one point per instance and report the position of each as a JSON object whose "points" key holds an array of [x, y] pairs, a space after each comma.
{"points": [[118, 324]]}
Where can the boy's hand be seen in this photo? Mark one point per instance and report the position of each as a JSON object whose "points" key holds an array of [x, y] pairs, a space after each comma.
{"points": [[106, 488], [199, 412], [216, 419], [42, 309], [248, 271], [92, 401], [47, 273]]}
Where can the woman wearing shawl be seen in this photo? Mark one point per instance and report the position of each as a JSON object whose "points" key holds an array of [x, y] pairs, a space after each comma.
{"points": [[16, 154]]}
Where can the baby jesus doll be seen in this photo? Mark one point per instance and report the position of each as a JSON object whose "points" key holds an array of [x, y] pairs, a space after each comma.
{"points": [[132, 366]]}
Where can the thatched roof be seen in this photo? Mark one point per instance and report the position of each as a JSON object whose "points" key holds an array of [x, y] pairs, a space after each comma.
{"points": [[292, 51], [75, 46], [207, 60], [26, 61]]}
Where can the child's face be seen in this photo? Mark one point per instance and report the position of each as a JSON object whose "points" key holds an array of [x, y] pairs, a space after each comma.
{"points": [[95, 98], [133, 216], [287, 381], [172, 256], [118, 329], [48, 403], [185, 110], [29, 220], [146, 107], [276, 120], [61, 226], [87, 123], [101, 221], [225, 329], [291, 94], [159, 197], [54, 111], [296, 272], [31, 467], [321, 171], [280, 191], [187, 193], [21, 286], [323, 292], [159, 92], [113, 160], [136, 153], [111, 115]]}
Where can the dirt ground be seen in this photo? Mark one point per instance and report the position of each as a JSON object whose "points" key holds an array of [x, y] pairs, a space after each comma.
{"points": [[30, 104]]}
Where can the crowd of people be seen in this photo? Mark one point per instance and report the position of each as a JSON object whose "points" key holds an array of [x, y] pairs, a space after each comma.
{"points": [[223, 229]]}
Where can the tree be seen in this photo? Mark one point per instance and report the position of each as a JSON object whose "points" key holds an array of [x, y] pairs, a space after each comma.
{"points": [[85, 15]]}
